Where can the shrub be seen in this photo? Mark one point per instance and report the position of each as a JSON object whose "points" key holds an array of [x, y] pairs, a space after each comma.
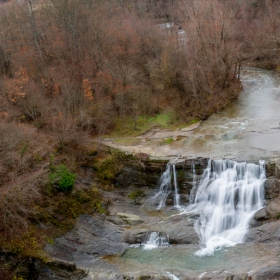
{"points": [[61, 177]]}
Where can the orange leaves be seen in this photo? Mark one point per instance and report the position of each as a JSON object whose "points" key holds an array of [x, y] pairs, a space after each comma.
{"points": [[87, 89]]}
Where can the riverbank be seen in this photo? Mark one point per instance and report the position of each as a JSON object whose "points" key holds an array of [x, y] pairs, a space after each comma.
{"points": [[247, 129]]}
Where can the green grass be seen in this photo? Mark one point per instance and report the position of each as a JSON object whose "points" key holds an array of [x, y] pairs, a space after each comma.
{"points": [[141, 125], [183, 125], [136, 127], [127, 141], [167, 141]]}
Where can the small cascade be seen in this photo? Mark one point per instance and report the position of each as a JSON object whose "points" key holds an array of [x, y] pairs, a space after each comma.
{"points": [[193, 190], [176, 194], [155, 239], [158, 200], [172, 276], [165, 187], [227, 197]]}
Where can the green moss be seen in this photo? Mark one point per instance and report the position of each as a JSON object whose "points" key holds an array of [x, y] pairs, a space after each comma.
{"points": [[134, 195], [108, 167], [167, 141]]}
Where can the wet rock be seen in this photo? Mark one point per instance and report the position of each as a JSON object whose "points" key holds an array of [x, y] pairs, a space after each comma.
{"points": [[270, 167], [132, 177], [253, 223], [272, 187], [152, 203], [178, 162], [56, 269], [277, 168], [179, 229], [116, 220], [91, 238], [270, 272], [261, 215], [268, 232], [199, 163], [131, 219], [273, 208]]}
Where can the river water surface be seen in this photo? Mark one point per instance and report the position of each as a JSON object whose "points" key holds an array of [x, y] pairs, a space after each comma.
{"points": [[247, 129]]}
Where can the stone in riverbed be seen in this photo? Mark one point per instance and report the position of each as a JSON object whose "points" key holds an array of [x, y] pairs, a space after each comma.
{"points": [[261, 215], [131, 219], [179, 229]]}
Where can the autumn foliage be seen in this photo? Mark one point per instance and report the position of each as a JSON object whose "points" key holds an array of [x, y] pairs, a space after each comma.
{"points": [[71, 68], [91, 63]]}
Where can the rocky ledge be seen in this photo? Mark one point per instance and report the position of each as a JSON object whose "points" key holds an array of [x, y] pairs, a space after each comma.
{"points": [[96, 247]]}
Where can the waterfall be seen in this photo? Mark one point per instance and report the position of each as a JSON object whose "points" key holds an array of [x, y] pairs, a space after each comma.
{"points": [[176, 194], [155, 239], [193, 190], [226, 198], [165, 188]]}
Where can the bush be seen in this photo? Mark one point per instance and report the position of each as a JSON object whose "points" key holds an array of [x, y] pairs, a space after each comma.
{"points": [[61, 177]]}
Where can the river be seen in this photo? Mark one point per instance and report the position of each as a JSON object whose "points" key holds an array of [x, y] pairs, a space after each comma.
{"points": [[247, 129]]}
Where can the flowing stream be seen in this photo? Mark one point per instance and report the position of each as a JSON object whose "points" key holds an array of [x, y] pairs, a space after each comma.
{"points": [[224, 200], [176, 193]]}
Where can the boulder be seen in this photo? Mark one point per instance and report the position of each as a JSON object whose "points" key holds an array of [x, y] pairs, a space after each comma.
{"points": [[273, 208], [179, 229], [261, 215], [131, 219]]}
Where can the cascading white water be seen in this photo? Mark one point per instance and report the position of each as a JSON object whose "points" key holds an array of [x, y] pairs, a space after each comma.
{"points": [[193, 190], [176, 194], [227, 197], [165, 187], [155, 239], [158, 200]]}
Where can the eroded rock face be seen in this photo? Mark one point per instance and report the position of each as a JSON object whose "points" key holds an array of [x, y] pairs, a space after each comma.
{"points": [[272, 187], [131, 177], [273, 208], [268, 232], [91, 238], [277, 168]]}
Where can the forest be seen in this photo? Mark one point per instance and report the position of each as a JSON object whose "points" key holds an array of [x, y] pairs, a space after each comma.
{"points": [[72, 71]]}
